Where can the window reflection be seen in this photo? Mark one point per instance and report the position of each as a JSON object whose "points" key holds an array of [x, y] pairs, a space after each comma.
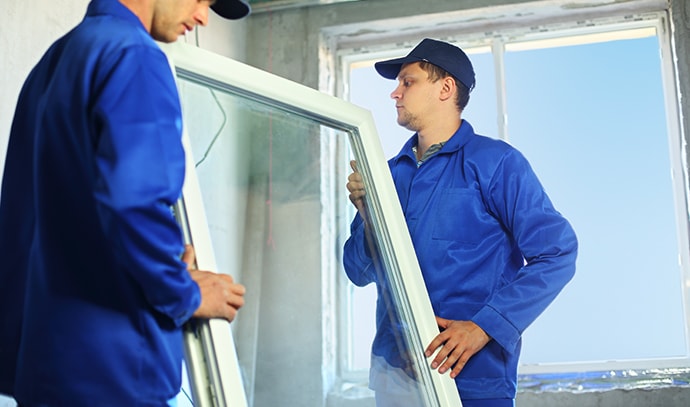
{"points": [[261, 185], [272, 179]]}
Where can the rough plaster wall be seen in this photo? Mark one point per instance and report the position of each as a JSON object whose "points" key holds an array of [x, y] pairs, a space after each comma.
{"points": [[680, 18], [220, 36], [28, 29], [287, 42]]}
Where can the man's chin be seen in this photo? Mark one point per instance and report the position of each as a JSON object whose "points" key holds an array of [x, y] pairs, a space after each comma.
{"points": [[406, 124], [166, 37]]}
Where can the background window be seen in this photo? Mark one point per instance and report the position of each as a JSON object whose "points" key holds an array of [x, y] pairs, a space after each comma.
{"points": [[592, 106]]}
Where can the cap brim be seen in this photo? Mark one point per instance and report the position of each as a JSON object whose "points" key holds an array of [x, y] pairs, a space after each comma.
{"points": [[231, 9], [391, 68]]}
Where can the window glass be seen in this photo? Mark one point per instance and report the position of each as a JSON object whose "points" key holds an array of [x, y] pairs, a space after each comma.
{"points": [[272, 158], [481, 111], [371, 91], [260, 179], [590, 108], [591, 120]]}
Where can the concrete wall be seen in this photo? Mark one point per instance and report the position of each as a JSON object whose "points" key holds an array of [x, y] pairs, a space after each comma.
{"points": [[680, 19], [29, 28], [21, 46], [287, 42]]}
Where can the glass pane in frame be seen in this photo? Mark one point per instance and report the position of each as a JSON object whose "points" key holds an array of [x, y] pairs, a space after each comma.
{"points": [[271, 158], [371, 91], [611, 171]]}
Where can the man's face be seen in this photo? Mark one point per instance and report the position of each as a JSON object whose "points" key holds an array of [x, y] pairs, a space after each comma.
{"points": [[414, 96], [172, 18]]}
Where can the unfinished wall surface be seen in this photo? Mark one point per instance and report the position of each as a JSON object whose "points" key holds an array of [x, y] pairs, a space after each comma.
{"points": [[22, 44], [680, 19], [286, 42], [29, 28]]}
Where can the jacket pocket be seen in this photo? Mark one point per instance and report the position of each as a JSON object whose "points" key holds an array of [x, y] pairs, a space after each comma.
{"points": [[460, 216]]}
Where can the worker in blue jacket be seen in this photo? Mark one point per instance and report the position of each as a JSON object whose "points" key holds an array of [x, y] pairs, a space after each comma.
{"points": [[93, 289], [493, 251]]}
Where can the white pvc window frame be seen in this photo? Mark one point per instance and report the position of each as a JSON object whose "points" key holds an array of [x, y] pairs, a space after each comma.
{"points": [[211, 357]]}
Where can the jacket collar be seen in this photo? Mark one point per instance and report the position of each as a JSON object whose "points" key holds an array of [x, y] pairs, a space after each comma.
{"points": [[461, 137], [112, 8]]}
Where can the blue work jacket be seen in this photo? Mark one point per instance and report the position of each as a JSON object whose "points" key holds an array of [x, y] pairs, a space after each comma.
{"points": [[92, 291], [491, 247]]}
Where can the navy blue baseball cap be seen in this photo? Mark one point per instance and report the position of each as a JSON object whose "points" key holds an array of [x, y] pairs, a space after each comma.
{"points": [[444, 55], [231, 9]]}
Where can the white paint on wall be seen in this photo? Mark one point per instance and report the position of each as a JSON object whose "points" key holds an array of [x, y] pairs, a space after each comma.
{"points": [[30, 27]]}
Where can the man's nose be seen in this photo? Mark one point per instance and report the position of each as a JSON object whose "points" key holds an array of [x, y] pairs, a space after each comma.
{"points": [[201, 14]]}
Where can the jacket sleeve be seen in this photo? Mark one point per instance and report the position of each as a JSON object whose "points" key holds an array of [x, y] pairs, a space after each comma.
{"points": [[546, 240], [357, 259], [140, 171]]}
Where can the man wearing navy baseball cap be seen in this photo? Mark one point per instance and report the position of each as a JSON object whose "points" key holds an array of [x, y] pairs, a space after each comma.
{"points": [[445, 56], [492, 249], [231, 9], [96, 285]]}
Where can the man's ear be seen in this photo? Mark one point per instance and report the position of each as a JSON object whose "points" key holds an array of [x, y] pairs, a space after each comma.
{"points": [[448, 88]]}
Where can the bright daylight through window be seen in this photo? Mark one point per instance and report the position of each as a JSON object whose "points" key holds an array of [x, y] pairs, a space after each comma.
{"points": [[592, 105]]}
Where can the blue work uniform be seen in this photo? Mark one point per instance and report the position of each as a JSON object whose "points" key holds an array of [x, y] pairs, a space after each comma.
{"points": [[93, 293], [491, 247]]}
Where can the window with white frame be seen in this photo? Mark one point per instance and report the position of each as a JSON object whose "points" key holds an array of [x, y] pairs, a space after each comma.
{"points": [[592, 104], [276, 224]]}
